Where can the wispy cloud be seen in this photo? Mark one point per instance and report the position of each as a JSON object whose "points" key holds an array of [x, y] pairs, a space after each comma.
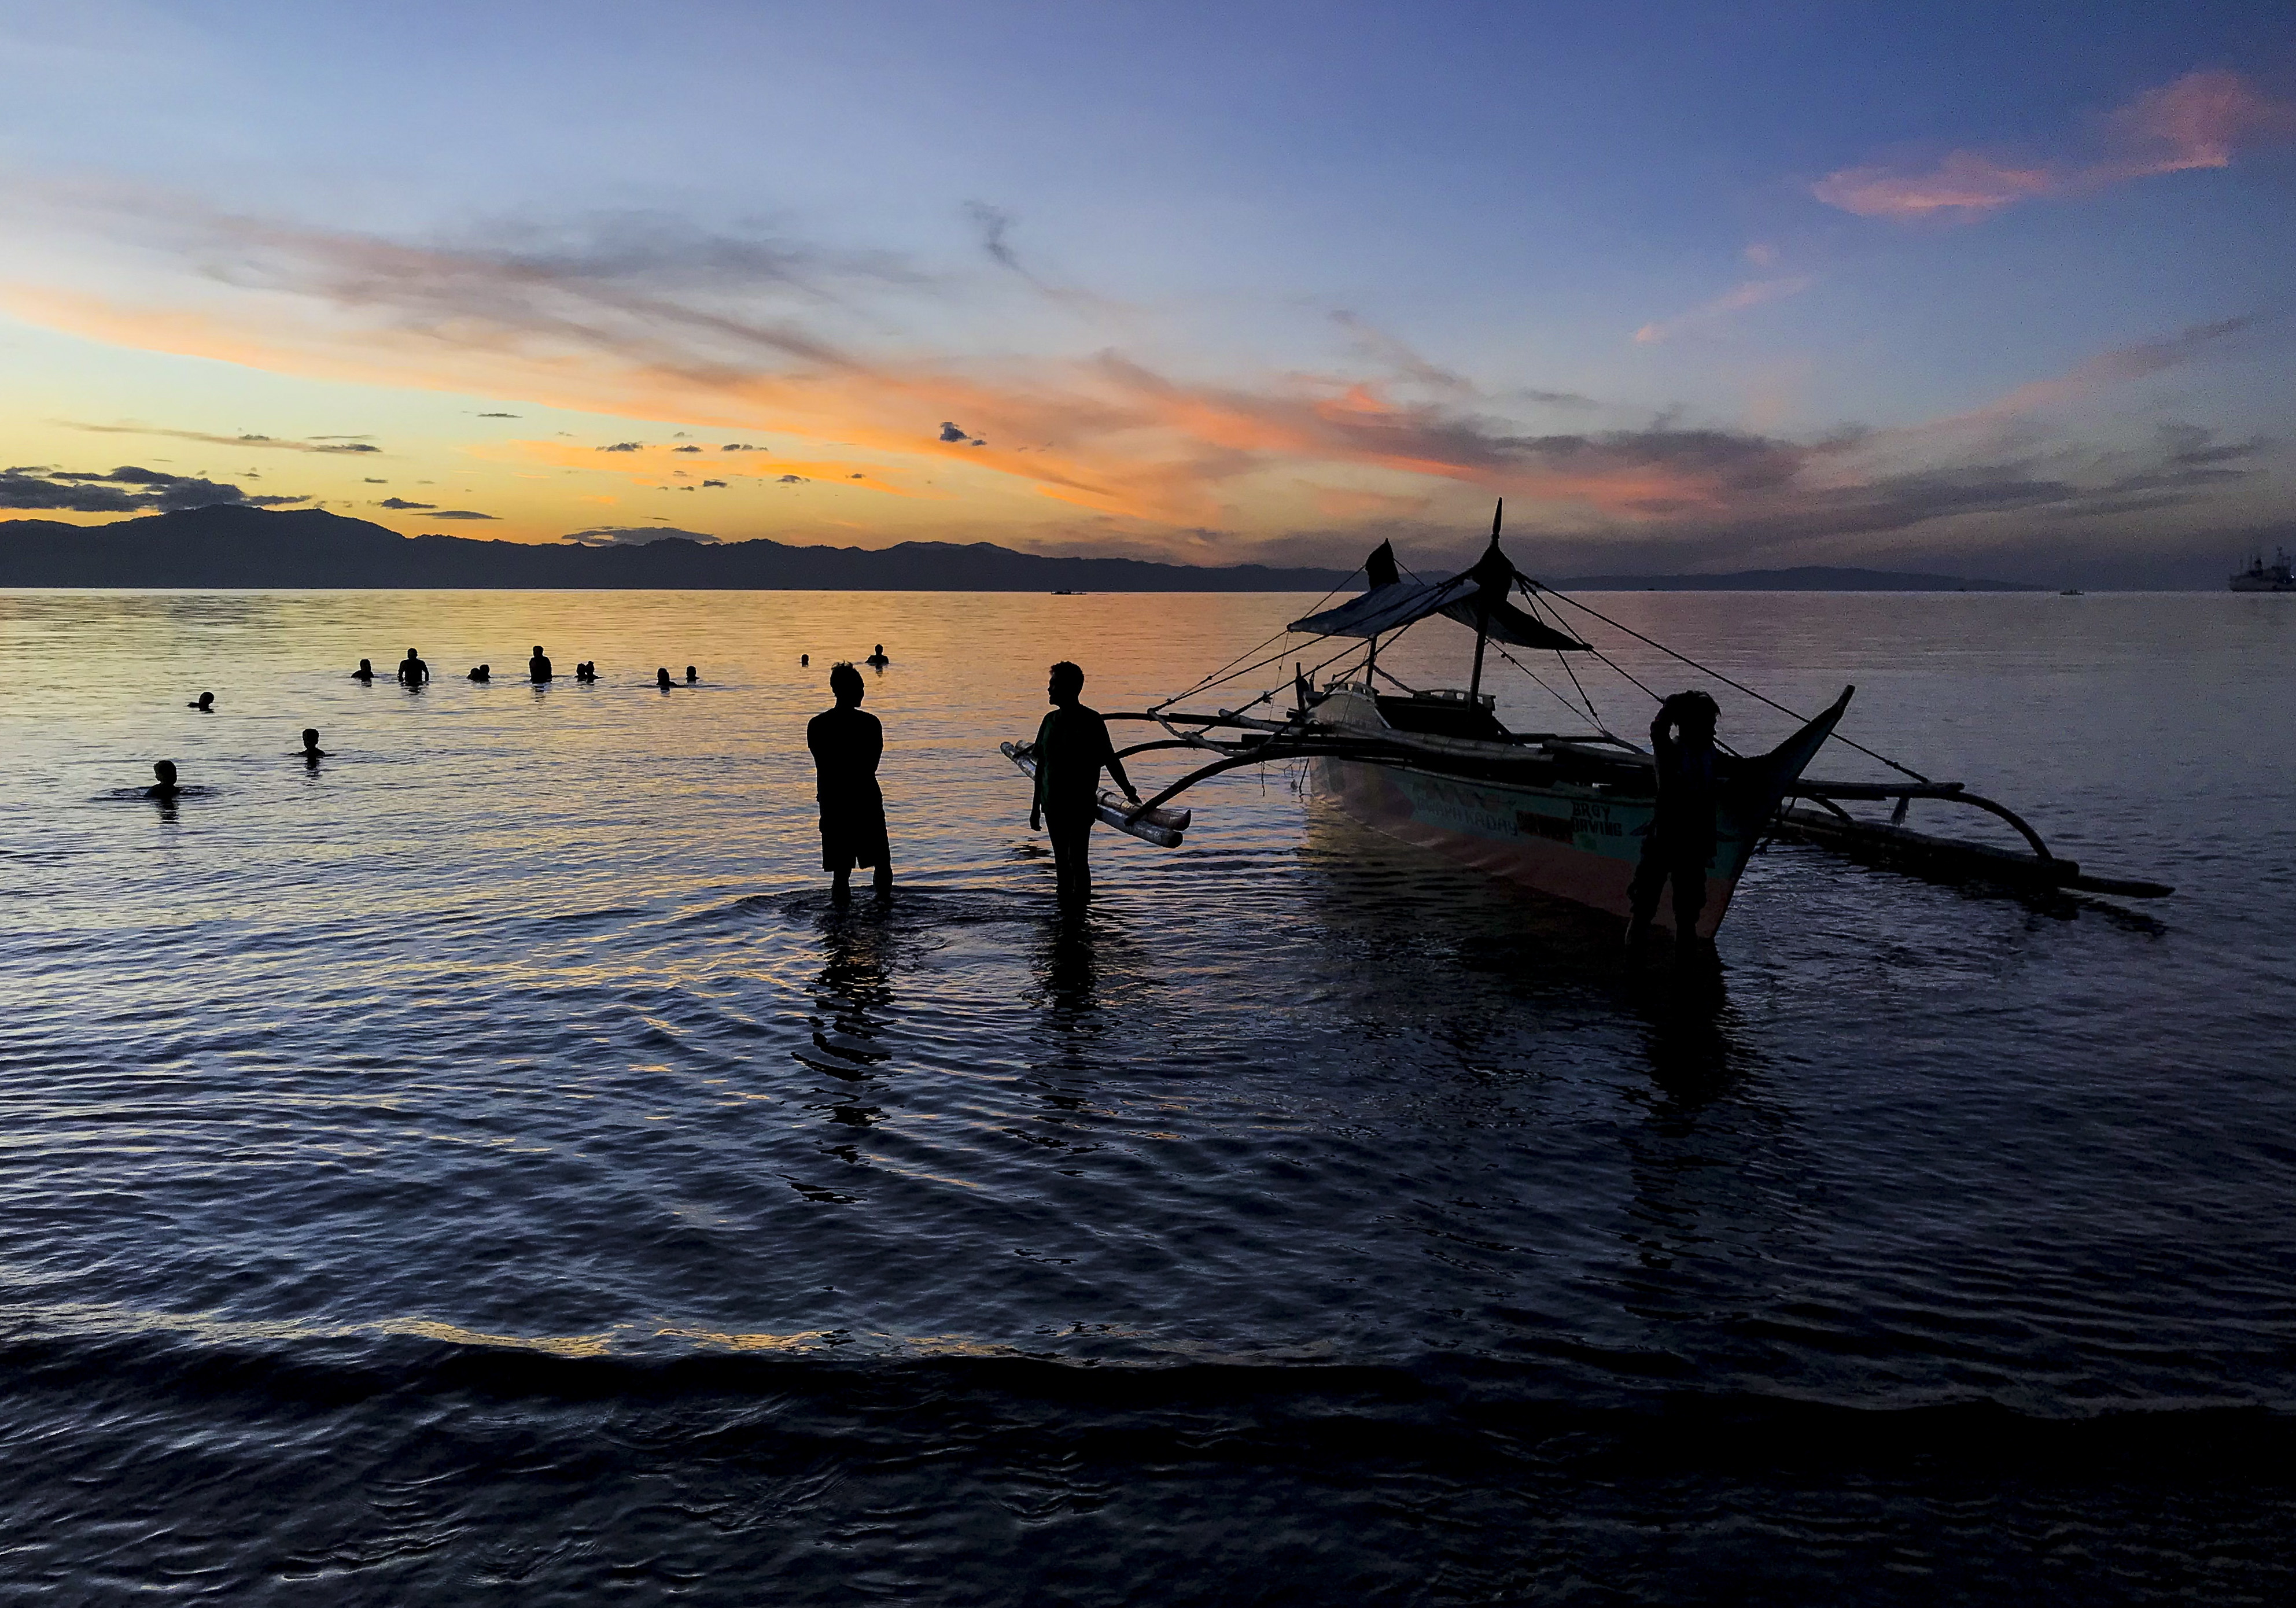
{"points": [[321, 444], [1712, 314], [2198, 122]]}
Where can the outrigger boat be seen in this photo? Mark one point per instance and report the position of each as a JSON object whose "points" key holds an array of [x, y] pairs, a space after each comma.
{"points": [[1565, 813]]}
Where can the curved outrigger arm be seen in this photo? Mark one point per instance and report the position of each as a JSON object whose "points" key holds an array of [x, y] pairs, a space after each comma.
{"points": [[1952, 793]]}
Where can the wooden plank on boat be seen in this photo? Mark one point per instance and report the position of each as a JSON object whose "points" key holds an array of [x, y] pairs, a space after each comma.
{"points": [[1161, 827], [1919, 850]]}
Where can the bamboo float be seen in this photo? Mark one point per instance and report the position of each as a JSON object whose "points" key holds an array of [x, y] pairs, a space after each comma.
{"points": [[1161, 827]]}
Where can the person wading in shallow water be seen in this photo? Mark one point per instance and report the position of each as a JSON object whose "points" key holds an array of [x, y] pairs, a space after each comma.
{"points": [[1681, 840], [1072, 747], [537, 668], [847, 744], [412, 670]]}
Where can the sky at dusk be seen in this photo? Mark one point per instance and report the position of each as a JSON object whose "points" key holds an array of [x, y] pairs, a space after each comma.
{"points": [[2001, 290]]}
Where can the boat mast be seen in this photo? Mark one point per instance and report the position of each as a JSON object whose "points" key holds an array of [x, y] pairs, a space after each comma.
{"points": [[1483, 611]]}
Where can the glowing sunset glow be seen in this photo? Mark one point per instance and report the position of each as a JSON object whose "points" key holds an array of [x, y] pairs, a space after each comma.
{"points": [[991, 331]]}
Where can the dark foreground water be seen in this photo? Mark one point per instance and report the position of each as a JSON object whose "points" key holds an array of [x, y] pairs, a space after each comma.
{"points": [[484, 1169]]}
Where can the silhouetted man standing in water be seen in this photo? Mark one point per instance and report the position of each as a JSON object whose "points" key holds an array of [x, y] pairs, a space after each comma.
{"points": [[537, 668], [412, 670], [847, 745], [1072, 747], [1681, 840]]}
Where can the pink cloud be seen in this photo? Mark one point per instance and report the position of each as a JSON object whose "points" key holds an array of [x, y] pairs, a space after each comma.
{"points": [[2198, 122], [1753, 293], [1965, 184]]}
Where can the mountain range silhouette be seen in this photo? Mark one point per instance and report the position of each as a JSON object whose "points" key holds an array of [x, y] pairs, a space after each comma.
{"points": [[231, 546]]}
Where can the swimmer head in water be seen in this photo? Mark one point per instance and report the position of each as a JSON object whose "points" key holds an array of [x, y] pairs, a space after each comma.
{"points": [[690, 676], [311, 749], [366, 672], [204, 704], [661, 678], [166, 788]]}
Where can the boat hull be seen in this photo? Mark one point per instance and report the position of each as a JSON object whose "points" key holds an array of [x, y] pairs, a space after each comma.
{"points": [[1562, 843]]}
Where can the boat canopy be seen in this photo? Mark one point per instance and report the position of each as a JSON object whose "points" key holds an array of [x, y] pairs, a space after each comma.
{"points": [[1476, 598]]}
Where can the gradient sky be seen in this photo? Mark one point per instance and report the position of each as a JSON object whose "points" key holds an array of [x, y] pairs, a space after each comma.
{"points": [[1917, 287]]}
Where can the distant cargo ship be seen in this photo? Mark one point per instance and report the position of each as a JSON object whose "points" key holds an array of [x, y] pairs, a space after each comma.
{"points": [[2261, 577]]}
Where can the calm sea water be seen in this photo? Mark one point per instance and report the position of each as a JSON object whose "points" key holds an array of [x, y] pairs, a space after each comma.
{"points": [[484, 1168]]}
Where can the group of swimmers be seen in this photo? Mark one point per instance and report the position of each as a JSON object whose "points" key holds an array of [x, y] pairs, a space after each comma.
{"points": [[166, 788], [1072, 749], [413, 672]]}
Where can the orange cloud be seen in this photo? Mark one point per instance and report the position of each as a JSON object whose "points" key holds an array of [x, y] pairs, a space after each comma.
{"points": [[2197, 121], [658, 465]]}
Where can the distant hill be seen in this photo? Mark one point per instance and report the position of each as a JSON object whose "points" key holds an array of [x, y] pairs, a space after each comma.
{"points": [[1807, 578], [232, 545], [238, 547]]}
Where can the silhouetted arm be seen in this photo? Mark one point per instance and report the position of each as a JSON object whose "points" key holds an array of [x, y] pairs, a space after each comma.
{"points": [[1043, 745], [1115, 766]]}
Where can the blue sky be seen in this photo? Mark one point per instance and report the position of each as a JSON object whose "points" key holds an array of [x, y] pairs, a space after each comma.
{"points": [[1938, 286]]}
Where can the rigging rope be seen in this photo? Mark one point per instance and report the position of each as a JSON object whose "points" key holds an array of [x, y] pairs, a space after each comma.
{"points": [[1708, 670], [1216, 677]]}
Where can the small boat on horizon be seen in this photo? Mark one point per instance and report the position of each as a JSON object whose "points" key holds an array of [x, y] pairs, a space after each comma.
{"points": [[2278, 576], [1565, 813]]}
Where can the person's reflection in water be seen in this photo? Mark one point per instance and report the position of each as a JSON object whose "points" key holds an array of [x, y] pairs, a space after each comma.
{"points": [[852, 1001], [1693, 1049], [1068, 969], [1081, 964], [1722, 1193]]}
